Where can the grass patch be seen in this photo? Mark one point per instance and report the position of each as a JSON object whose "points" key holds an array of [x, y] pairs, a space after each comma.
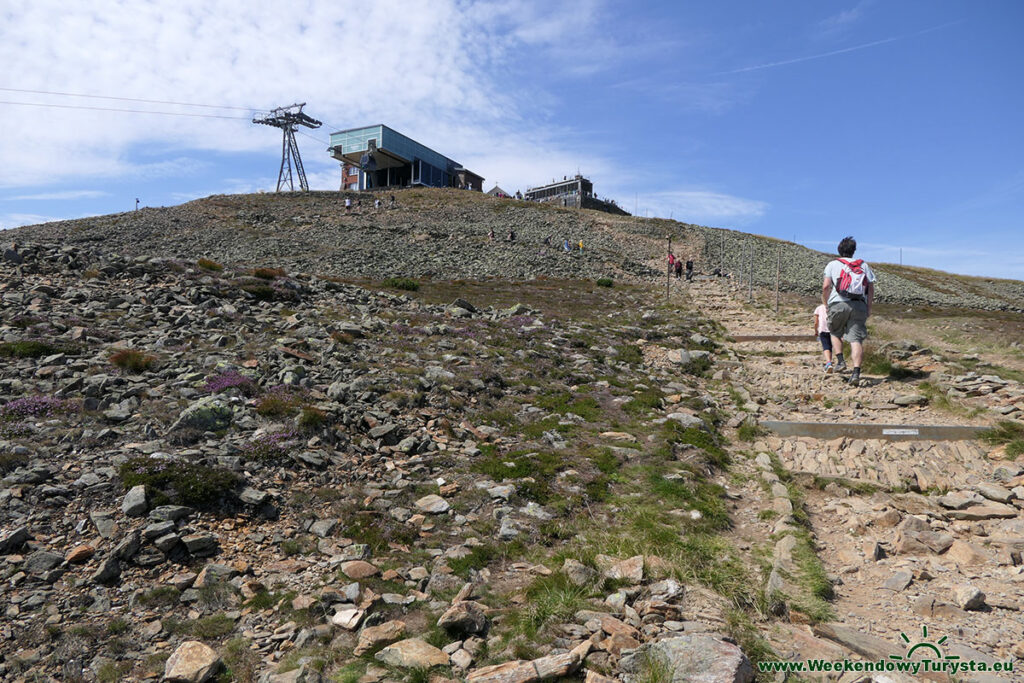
{"points": [[376, 530], [402, 283], [179, 483], [643, 403], [629, 353], [604, 282], [552, 598], [33, 348], [750, 431], [675, 433], [241, 662], [1009, 433], [210, 265], [311, 419], [161, 596], [268, 273], [542, 467], [278, 402], [132, 360], [563, 402]]}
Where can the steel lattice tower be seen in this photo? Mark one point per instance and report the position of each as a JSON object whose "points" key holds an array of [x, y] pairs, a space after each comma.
{"points": [[286, 118]]}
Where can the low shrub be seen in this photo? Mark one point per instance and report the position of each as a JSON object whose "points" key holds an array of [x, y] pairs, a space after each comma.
{"points": [[232, 379], [629, 353], [33, 348], [270, 447], [604, 282], [34, 407], [402, 283], [279, 401], [132, 360], [207, 264], [180, 483], [259, 292], [312, 419], [268, 273]]}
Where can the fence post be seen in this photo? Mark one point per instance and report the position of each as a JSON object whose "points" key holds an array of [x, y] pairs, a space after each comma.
{"points": [[778, 274], [668, 269]]}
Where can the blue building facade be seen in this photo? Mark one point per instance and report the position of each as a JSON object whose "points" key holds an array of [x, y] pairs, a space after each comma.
{"points": [[386, 158]]}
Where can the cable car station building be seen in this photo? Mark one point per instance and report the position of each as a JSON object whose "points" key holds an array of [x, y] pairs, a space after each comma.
{"points": [[383, 157]]}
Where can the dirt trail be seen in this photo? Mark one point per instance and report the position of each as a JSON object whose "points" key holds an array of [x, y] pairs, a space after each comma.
{"points": [[903, 528]]}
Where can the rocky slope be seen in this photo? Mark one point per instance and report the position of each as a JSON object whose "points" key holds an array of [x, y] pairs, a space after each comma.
{"points": [[444, 234], [271, 475]]}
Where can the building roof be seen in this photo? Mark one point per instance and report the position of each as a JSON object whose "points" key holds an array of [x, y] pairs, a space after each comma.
{"points": [[497, 190]]}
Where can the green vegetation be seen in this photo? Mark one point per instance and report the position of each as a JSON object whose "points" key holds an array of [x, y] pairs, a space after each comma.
{"points": [[629, 353], [161, 596], [1009, 433], [552, 598], [268, 273], [643, 402], [403, 283], [179, 483], [604, 282], [207, 264], [312, 419], [33, 349], [537, 469], [259, 292], [750, 431], [132, 360]]}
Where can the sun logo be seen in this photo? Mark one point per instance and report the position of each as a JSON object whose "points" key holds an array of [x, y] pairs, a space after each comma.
{"points": [[924, 645]]}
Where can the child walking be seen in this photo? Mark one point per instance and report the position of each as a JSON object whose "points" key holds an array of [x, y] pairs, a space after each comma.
{"points": [[822, 332]]}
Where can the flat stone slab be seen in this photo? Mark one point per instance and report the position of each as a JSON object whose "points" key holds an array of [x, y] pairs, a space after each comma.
{"points": [[835, 430]]}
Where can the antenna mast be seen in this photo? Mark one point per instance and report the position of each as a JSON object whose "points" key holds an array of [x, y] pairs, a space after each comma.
{"points": [[286, 118]]}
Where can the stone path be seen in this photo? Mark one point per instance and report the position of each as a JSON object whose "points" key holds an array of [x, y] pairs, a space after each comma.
{"points": [[908, 531]]}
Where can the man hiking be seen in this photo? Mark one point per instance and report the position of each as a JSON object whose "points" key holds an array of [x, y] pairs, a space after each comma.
{"points": [[847, 291]]}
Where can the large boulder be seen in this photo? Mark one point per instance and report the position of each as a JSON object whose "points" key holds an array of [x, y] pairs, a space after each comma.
{"points": [[208, 414], [697, 658], [192, 662]]}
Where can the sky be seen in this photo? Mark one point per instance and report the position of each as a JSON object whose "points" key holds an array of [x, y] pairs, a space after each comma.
{"points": [[896, 122]]}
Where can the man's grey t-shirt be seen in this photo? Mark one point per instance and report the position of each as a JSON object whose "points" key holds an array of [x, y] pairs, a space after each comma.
{"points": [[832, 272]]}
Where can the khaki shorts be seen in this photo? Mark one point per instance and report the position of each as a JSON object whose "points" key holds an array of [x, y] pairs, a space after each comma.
{"points": [[848, 320]]}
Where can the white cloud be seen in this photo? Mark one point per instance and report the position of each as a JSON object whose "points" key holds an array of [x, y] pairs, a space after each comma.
{"points": [[843, 20], [60, 195], [14, 220], [436, 73], [701, 206]]}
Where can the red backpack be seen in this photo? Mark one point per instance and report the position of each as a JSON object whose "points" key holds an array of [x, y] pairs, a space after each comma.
{"points": [[852, 281]]}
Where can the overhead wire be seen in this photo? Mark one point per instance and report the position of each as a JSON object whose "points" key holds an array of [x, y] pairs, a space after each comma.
{"points": [[129, 111], [129, 99]]}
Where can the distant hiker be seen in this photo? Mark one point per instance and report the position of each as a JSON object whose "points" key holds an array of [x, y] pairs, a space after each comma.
{"points": [[348, 205], [689, 271], [547, 240], [822, 333], [376, 204], [490, 234], [581, 246], [847, 290], [565, 246], [392, 204], [671, 260], [678, 268], [511, 235]]}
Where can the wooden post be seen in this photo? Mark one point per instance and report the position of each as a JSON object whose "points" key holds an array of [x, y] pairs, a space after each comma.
{"points": [[778, 274], [750, 271], [668, 269]]}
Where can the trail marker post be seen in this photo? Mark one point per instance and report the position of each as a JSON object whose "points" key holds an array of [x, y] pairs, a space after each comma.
{"points": [[668, 268], [778, 273]]}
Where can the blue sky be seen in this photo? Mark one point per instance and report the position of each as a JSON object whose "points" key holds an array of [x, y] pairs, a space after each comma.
{"points": [[896, 122]]}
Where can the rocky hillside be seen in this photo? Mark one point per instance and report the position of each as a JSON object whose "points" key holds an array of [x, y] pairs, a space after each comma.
{"points": [[444, 234], [212, 471]]}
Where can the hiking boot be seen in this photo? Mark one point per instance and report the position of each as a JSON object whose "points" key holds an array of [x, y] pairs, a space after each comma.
{"points": [[855, 378], [828, 368], [841, 366]]}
